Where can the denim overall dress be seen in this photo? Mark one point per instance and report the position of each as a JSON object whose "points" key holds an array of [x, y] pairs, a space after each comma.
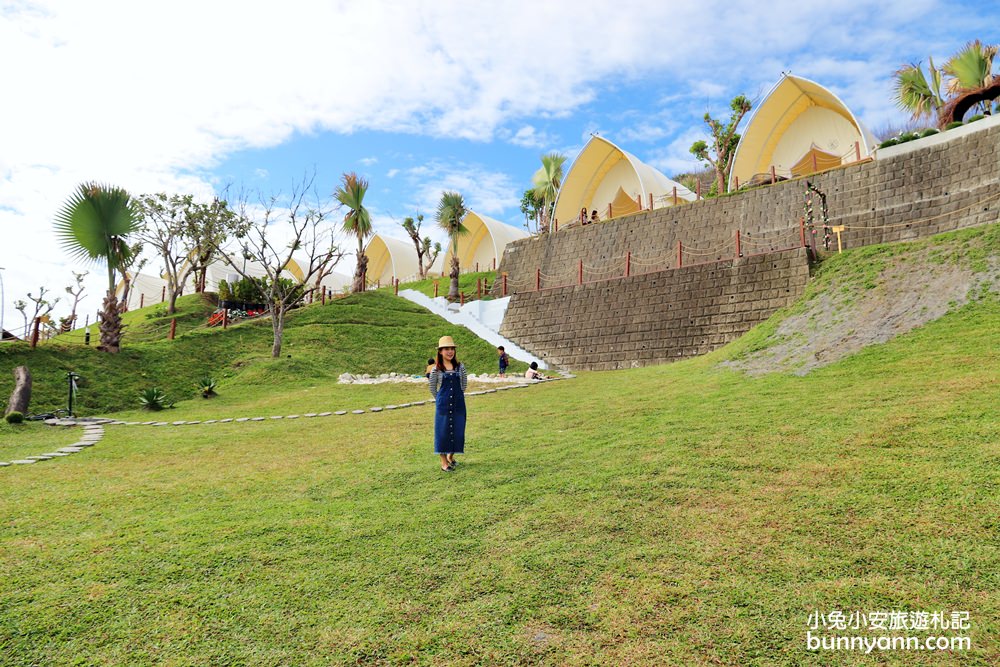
{"points": [[449, 418]]}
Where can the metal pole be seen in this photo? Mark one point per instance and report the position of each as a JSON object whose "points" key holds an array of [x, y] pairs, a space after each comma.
{"points": [[71, 376]]}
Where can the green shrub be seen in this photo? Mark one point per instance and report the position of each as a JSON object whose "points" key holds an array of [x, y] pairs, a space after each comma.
{"points": [[930, 131], [887, 143], [953, 124], [978, 116], [225, 294], [907, 136], [159, 311], [15, 417], [206, 386], [153, 399]]}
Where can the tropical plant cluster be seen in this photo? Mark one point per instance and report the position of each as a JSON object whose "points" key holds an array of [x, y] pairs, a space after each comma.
{"points": [[964, 83]]}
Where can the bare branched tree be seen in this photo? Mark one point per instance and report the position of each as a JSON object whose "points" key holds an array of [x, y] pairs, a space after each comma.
{"points": [[427, 252], [278, 233], [77, 293]]}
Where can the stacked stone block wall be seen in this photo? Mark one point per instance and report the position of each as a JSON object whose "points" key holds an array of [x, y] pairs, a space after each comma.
{"points": [[655, 317]]}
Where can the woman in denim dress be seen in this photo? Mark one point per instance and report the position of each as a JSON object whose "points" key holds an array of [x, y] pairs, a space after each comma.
{"points": [[447, 384]]}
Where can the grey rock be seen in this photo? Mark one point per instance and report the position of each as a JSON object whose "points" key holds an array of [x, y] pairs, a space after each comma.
{"points": [[309, 414], [40, 457], [341, 412], [51, 454], [210, 421], [70, 450], [23, 462], [358, 412], [292, 417], [257, 419], [277, 416], [4, 464], [375, 409], [178, 423], [242, 419], [226, 420], [324, 414]]}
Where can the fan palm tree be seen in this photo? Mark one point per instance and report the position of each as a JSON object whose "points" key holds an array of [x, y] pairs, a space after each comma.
{"points": [[971, 70], [94, 224], [547, 181], [451, 212], [914, 93], [357, 222]]}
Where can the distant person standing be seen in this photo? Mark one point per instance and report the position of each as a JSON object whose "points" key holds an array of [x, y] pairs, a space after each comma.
{"points": [[430, 367], [504, 361], [447, 382]]}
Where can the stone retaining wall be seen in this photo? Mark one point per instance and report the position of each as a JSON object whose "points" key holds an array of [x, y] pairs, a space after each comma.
{"points": [[654, 317]]}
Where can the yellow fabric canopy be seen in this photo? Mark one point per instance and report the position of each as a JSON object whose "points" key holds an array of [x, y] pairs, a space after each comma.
{"points": [[815, 160]]}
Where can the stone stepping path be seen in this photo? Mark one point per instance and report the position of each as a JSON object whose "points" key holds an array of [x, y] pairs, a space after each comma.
{"points": [[93, 431], [306, 415]]}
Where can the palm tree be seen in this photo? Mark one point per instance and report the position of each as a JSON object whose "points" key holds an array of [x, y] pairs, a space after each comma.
{"points": [[970, 68], [358, 222], [547, 181], [94, 225], [914, 93], [450, 213]]}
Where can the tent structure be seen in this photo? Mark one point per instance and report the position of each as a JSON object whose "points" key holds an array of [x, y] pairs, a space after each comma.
{"points": [[483, 244], [800, 128], [604, 174], [390, 258]]}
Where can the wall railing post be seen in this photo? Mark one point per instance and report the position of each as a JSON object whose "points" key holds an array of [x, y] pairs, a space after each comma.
{"points": [[628, 263], [675, 195], [739, 250], [774, 176], [579, 279], [680, 254], [505, 283], [857, 151], [538, 279]]}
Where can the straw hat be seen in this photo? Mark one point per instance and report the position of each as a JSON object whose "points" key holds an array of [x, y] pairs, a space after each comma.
{"points": [[446, 341]]}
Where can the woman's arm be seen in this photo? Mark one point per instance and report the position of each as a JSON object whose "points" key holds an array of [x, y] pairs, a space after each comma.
{"points": [[464, 376], [432, 383]]}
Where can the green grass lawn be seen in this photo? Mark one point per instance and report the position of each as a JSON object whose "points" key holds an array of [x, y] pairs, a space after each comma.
{"points": [[466, 284], [683, 514]]}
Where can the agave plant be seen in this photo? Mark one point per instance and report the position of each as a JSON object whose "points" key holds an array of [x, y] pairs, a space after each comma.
{"points": [[206, 386], [153, 399]]}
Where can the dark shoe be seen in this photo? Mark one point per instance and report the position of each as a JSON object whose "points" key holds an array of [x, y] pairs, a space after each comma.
{"points": [[448, 469]]}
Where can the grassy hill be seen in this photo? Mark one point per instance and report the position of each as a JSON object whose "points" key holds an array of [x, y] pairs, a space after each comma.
{"points": [[368, 333], [685, 514]]}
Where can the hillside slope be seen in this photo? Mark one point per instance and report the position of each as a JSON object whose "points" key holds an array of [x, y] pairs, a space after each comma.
{"points": [[871, 295], [374, 332]]}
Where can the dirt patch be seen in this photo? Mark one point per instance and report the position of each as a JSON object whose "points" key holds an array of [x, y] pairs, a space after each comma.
{"points": [[909, 291]]}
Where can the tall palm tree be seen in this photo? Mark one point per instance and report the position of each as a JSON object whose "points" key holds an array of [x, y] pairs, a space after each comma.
{"points": [[547, 181], [450, 214], [94, 224], [358, 222], [914, 93]]}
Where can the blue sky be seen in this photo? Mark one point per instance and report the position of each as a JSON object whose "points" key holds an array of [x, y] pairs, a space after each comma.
{"points": [[418, 96]]}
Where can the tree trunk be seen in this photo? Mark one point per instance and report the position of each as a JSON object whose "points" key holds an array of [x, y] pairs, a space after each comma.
{"points": [[110, 325], [453, 288], [278, 327], [359, 273], [21, 396], [172, 304]]}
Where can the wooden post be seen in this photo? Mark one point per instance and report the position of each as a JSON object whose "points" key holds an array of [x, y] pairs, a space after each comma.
{"points": [[675, 195], [225, 318], [435, 289], [556, 225], [697, 188], [163, 294], [739, 251], [505, 283], [579, 279], [774, 176], [477, 267], [494, 263], [34, 333], [395, 286], [611, 212], [628, 263], [802, 231], [479, 288], [538, 279], [173, 327], [680, 256], [142, 300], [650, 201], [737, 182], [323, 295], [638, 201], [857, 151], [461, 298]]}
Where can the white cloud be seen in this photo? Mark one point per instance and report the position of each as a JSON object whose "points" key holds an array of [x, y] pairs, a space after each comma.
{"points": [[528, 137], [368, 161], [392, 173]]}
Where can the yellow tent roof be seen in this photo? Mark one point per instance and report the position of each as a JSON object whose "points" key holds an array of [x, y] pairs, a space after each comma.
{"points": [[389, 258], [600, 171], [796, 115], [484, 243]]}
